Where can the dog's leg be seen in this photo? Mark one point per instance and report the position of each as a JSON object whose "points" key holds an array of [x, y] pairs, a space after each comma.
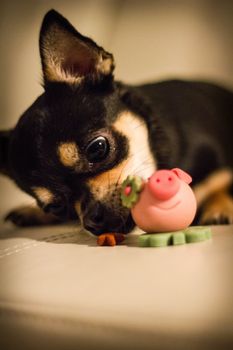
{"points": [[219, 181], [213, 198], [31, 216], [218, 209], [214, 201]]}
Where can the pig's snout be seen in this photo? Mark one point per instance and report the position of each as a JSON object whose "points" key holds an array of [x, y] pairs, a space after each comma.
{"points": [[164, 184]]}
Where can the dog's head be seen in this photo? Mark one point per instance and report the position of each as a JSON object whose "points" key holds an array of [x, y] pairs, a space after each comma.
{"points": [[78, 141]]}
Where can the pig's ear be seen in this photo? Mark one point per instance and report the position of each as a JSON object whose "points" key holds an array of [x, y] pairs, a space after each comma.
{"points": [[182, 175]]}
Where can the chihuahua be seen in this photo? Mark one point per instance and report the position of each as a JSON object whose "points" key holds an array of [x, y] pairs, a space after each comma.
{"points": [[74, 146]]}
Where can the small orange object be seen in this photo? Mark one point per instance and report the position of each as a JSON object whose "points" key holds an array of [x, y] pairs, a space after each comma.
{"points": [[110, 239]]}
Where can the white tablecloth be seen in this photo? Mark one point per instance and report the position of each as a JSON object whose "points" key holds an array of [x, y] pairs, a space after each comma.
{"points": [[59, 290]]}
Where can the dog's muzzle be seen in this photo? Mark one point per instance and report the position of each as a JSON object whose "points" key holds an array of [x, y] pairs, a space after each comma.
{"points": [[100, 219]]}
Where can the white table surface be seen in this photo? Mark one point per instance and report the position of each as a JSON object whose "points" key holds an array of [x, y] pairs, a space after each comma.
{"points": [[59, 290]]}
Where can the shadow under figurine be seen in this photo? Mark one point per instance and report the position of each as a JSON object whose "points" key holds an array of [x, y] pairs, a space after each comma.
{"points": [[163, 206]]}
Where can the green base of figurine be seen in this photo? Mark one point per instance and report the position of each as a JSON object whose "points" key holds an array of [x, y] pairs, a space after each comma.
{"points": [[192, 234]]}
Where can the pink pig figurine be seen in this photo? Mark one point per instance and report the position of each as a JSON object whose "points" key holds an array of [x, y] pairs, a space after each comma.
{"points": [[165, 203]]}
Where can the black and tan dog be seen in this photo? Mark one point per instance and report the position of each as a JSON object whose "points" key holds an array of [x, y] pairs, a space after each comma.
{"points": [[78, 141]]}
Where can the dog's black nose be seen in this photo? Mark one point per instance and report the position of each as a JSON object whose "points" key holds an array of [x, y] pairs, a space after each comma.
{"points": [[100, 219], [94, 219]]}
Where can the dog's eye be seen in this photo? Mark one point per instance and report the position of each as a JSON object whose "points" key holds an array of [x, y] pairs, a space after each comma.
{"points": [[97, 150], [57, 209]]}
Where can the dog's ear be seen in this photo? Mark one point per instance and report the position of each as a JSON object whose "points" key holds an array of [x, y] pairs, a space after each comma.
{"points": [[68, 56], [4, 148]]}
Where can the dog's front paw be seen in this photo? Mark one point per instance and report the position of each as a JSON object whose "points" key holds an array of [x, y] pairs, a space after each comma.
{"points": [[216, 218], [218, 211], [30, 216]]}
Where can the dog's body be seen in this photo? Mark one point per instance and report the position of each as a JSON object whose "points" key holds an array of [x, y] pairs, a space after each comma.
{"points": [[196, 123], [74, 146]]}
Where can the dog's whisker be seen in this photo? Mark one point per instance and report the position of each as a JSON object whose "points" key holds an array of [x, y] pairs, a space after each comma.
{"points": [[135, 170], [140, 167], [121, 172], [139, 125], [147, 163]]}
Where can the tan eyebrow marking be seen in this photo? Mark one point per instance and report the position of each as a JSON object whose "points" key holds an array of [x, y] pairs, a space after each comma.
{"points": [[43, 194], [68, 154]]}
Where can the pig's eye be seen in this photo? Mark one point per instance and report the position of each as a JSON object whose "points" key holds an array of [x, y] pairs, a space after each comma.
{"points": [[97, 149]]}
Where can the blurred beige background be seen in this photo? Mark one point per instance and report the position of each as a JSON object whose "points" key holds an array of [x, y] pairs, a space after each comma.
{"points": [[151, 40]]}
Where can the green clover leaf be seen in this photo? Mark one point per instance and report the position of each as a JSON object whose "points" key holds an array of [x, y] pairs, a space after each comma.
{"points": [[131, 188]]}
